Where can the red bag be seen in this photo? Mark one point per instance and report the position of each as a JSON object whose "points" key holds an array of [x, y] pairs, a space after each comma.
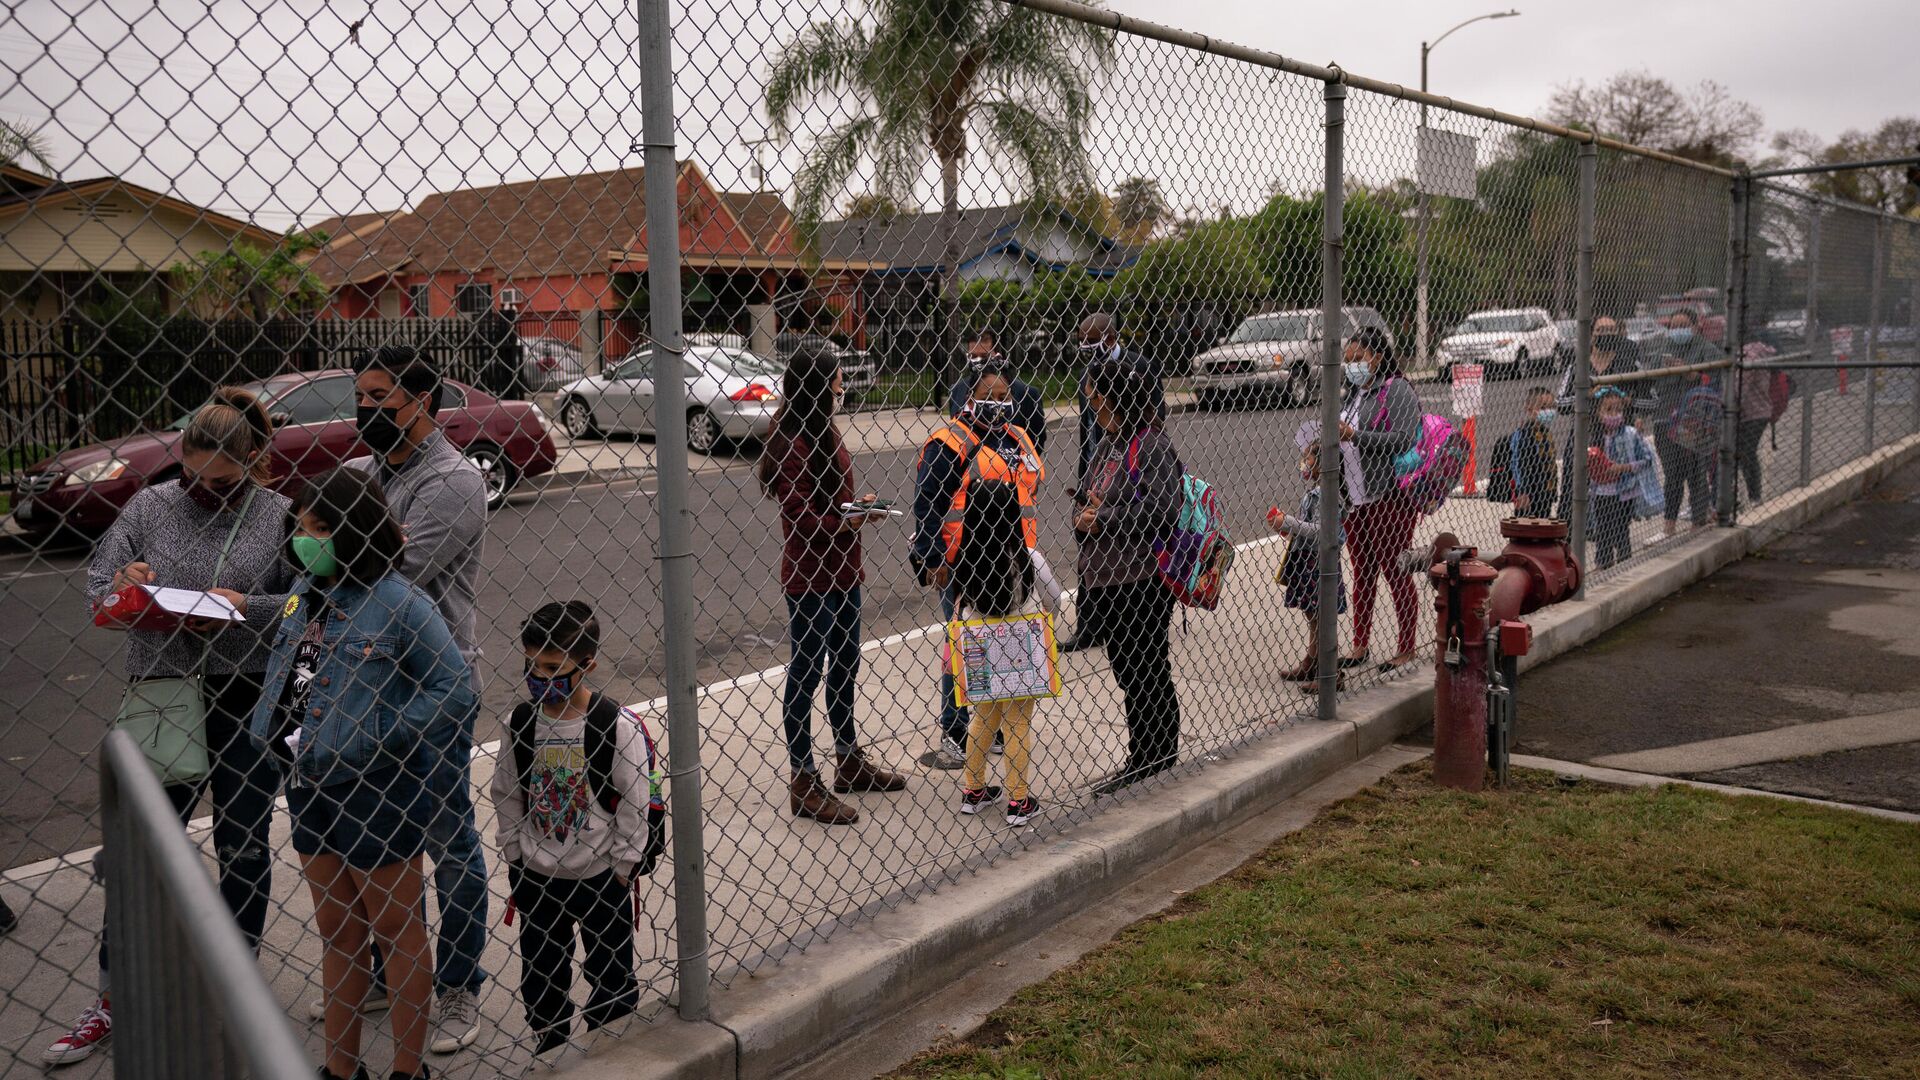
{"points": [[1599, 465], [146, 607]]}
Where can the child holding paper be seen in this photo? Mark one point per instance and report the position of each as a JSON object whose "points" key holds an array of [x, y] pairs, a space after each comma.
{"points": [[995, 575], [1300, 571]]}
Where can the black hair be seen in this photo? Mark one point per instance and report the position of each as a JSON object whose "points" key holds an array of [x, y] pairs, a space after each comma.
{"points": [[409, 369], [1375, 340], [366, 539], [1128, 393], [1537, 391], [980, 369], [806, 412], [992, 573], [987, 335], [569, 626]]}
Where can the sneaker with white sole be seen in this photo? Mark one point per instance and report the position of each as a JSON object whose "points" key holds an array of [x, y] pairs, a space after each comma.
{"points": [[458, 1022], [999, 742], [971, 801], [1020, 811], [948, 755], [89, 1033], [375, 1001]]}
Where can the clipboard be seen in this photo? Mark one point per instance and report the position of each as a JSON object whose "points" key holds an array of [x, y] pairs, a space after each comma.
{"points": [[1009, 658]]}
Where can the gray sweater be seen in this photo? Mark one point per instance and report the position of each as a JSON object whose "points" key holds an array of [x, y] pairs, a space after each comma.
{"points": [[1381, 437], [171, 533], [441, 499], [1138, 507]]}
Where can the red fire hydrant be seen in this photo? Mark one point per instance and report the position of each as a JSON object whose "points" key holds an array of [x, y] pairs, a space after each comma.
{"points": [[1479, 606]]}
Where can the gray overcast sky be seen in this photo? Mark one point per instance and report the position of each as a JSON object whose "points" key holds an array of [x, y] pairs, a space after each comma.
{"points": [[262, 108]]}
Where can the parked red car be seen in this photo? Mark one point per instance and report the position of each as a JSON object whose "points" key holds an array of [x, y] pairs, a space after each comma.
{"points": [[84, 489]]}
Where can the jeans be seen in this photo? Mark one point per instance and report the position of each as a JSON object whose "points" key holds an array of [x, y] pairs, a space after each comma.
{"points": [[1686, 471], [1747, 454], [552, 910], [953, 718], [824, 631], [459, 868], [1135, 619]]}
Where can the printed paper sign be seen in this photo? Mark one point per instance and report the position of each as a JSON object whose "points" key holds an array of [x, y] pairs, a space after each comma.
{"points": [[1467, 383], [1004, 659]]}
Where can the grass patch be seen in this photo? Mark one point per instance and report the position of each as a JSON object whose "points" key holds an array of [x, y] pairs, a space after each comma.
{"points": [[913, 390], [1544, 930]]}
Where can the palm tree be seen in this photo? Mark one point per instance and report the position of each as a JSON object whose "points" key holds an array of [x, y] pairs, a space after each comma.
{"points": [[1140, 207], [18, 141], [929, 77]]}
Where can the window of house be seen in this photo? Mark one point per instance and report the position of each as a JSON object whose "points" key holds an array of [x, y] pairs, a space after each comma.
{"points": [[418, 304], [474, 298]]}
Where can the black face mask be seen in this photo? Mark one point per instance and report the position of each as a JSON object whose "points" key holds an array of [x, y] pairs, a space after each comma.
{"points": [[1607, 342], [378, 429]]}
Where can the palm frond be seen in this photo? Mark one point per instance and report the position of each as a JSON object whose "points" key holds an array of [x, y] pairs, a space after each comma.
{"points": [[833, 159], [828, 57], [1028, 52], [1040, 147]]}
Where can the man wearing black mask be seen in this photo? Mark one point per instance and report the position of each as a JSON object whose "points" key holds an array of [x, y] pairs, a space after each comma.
{"points": [[440, 500]]}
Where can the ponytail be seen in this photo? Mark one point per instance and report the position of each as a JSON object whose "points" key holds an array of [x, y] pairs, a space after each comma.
{"points": [[234, 424]]}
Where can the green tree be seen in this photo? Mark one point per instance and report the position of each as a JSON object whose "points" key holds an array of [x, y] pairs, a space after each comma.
{"points": [[252, 282], [18, 141], [1140, 208], [869, 204], [929, 79]]}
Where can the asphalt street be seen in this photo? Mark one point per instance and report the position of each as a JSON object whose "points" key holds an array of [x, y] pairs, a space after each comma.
{"points": [[60, 678]]}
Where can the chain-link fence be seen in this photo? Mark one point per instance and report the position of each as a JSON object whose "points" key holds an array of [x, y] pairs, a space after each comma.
{"points": [[1024, 273]]}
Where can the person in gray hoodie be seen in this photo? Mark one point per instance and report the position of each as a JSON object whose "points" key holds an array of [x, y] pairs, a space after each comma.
{"points": [[1381, 417], [1129, 501]]}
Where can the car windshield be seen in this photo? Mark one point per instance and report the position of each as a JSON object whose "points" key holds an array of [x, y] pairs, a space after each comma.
{"points": [[268, 393], [1274, 328], [748, 364], [1492, 324]]}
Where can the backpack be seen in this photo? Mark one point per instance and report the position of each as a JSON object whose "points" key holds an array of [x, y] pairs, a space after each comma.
{"points": [[1194, 558], [1696, 419], [1500, 471], [1779, 394], [602, 715], [1429, 471]]}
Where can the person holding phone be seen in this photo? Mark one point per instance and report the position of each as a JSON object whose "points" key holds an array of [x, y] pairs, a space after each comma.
{"points": [[174, 535], [806, 469]]}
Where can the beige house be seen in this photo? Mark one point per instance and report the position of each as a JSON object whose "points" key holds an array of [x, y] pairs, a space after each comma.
{"points": [[63, 243]]}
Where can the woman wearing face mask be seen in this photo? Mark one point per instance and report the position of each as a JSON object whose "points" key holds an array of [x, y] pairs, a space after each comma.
{"points": [[215, 529], [982, 443], [1684, 468], [363, 669], [806, 469], [1381, 417]]}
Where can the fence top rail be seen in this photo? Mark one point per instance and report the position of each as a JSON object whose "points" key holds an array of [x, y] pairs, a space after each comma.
{"points": [[1828, 200], [1661, 373], [1334, 73]]}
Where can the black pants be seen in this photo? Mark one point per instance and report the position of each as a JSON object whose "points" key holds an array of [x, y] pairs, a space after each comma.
{"points": [[601, 909], [1611, 530], [244, 780], [1133, 620], [1747, 454], [1692, 472]]}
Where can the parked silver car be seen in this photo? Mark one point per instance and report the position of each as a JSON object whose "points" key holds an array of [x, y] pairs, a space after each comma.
{"points": [[731, 397], [549, 362], [1272, 355]]}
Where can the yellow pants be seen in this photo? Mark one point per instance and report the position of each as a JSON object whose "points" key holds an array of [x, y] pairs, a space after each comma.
{"points": [[1015, 719]]}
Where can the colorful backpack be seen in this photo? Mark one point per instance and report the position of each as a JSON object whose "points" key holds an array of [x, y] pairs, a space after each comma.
{"points": [[1696, 419], [1429, 471], [1195, 557]]}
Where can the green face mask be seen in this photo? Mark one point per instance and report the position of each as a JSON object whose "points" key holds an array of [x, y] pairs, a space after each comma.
{"points": [[316, 555]]}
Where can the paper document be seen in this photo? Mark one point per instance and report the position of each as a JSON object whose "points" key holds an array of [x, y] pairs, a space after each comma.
{"points": [[1003, 659], [193, 604], [852, 509]]}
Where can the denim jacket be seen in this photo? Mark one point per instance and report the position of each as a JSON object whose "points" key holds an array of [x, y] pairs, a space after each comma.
{"points": [[389, 672]]}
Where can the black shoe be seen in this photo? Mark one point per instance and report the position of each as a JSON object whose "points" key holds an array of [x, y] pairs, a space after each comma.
{"points": [[1351, 662], [1118, 782], [8, 920], [1078, 643], [548, 1041], [425, 1073]]}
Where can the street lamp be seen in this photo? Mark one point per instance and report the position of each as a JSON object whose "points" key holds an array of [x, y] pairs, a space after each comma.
{"points": [[1422, 334]]}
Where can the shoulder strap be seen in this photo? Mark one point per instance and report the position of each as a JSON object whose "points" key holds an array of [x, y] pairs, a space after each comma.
{"points": [[602, 739], [520, 737], [226, 548]]}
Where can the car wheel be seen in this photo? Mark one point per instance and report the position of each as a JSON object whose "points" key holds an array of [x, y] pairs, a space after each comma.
{"points": [[1206, 401], [1521, 363], [1302, 389], [703, 432], [498, 473], [576, 417]]}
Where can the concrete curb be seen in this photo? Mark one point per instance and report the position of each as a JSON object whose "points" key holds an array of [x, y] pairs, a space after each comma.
{"points": [[1624, 778], [783, 1013]]}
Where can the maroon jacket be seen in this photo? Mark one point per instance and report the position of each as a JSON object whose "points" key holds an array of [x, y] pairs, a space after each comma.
{"points": [[815, 556]]}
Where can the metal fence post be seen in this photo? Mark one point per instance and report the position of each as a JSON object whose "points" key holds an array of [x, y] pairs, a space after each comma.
{"points": [[1738, 287], [1582, 436], [1332, 511], [1813, 337], [1879, 280], [677, 600]]}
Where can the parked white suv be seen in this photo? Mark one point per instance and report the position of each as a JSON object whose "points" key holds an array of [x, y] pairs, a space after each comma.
{"points": [[1272, 355], [1511, 342]]}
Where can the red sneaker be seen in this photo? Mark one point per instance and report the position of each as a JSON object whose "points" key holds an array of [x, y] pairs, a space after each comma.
{"points": [[89, 1033]]}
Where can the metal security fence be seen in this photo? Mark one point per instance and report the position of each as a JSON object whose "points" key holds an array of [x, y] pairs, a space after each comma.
{"points": [[656, 258]]}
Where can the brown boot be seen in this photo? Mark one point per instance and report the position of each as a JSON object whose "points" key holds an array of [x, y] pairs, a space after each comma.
{"points": [[856, 773], [810, 799]]}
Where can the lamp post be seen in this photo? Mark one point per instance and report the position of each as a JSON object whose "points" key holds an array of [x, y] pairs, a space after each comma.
{"points": [[1422, 331]]}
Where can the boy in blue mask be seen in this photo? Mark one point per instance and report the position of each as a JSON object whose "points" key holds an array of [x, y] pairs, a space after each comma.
{"points": [[580, 822], [1528, 460]]}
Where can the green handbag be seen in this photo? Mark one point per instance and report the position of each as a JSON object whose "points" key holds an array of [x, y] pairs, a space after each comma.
{"points": [[168, 717]]}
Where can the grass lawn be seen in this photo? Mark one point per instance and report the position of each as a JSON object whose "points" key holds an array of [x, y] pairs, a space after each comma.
{"points": [[1542, 931], [897, 390]]}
